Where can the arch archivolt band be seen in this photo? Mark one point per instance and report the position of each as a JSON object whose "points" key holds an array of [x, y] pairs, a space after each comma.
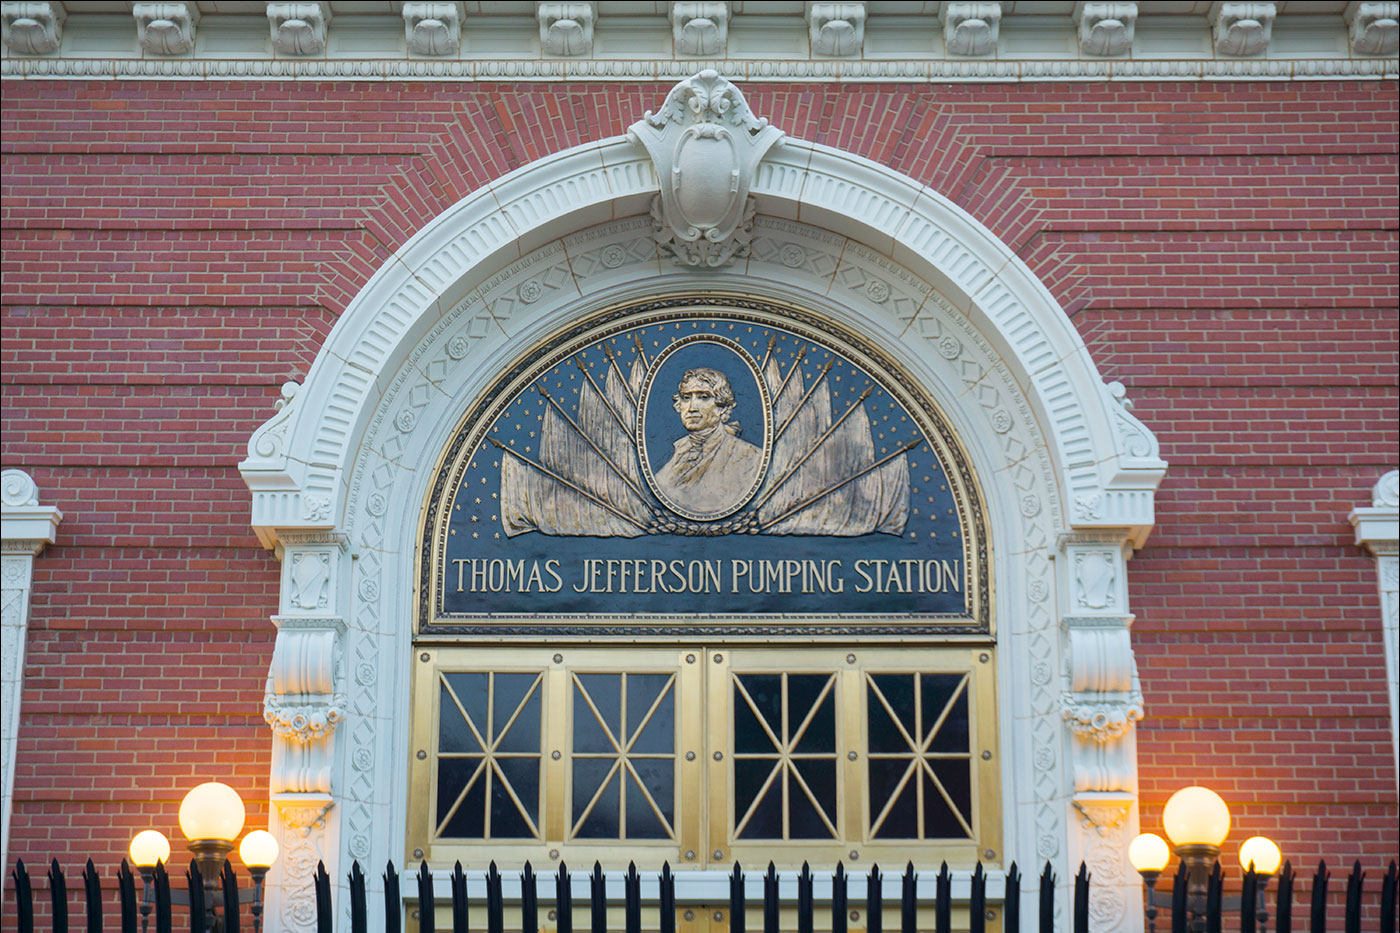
{"points": [[340, 472]]}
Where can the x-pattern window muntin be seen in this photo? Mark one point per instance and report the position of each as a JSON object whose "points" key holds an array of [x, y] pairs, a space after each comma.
{"points": [[492, 759], [786, 742], [623, 752], [919, 752]]}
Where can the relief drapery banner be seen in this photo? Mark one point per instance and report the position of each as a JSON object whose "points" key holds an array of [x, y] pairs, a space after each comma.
{"points": [[706, 462]]}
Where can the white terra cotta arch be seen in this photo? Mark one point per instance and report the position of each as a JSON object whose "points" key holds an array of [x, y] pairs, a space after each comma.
{"points": [[340, 472]]}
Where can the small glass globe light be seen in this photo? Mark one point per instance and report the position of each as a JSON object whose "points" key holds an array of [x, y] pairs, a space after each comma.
{"points": [[1196, 816], [149, 848], [212, 811], [258, 849], [1149, 852], [1262, 852]]}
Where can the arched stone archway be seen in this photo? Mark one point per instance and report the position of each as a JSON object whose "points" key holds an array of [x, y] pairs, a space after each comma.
{"points": [[340, 472]]}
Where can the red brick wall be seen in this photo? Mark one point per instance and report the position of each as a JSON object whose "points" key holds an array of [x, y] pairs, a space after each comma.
{"points": [[173, 252]]}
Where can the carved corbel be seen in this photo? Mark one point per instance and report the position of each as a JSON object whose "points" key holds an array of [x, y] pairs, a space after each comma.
{"points": [[971, 28], [1373, 28], [299, 28], [166, 28], [837, 30], [303, 703], [706, 144], [1105, 29], [566, 29], [32, 28], [700, 28], [1241, 29], [433, 28]]}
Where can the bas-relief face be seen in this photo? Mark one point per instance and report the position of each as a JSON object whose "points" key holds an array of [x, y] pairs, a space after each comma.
{"points": [[699, 410]]}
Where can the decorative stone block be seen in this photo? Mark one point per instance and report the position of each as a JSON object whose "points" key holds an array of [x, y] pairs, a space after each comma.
{"points": [[837, 30], [1374, 28], [32, 28], [700, 28], [433, 28], [298, 28], [166, 28], [566, 29], [971, 28], [1241, 29], [1105, 29]]}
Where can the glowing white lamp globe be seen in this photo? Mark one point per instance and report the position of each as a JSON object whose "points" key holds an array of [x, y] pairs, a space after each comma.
{"points": [[1261, 851], [1149, 852], [212, 811], [258, 849], [1196, 816], [149, 848]]}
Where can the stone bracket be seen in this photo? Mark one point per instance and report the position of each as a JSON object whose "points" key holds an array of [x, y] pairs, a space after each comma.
{"points": [[433, 28], [32, 28], [166, 28], [971, 29], [1105, 29], [1239, 30]]}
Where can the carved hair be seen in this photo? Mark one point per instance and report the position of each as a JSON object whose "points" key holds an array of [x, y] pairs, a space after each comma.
{"points": [[718, 384]]}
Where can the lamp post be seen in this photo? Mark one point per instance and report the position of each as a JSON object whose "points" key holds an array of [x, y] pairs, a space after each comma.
{"points": [[1197, 822], [211, 817]]}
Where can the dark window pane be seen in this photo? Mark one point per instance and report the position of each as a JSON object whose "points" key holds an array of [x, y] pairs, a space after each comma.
{"points": [[767, 820], [939, 821], [820, 735], [903, 819], [953, 734], [820, 777], [803, 820], [523, 735], [749, 737], [606, 692], [659, 734], [602, 823], [510, 690], [453, 734], [469, 822], [588, 732], [936, 690], [524, 777], [471, 690], [642, 691], [453, 774], [642, 821], [766, 691], [506, 819], [898, 690]]}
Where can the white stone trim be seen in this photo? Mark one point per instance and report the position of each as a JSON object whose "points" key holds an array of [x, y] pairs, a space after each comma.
{"points": [[25, 527], [1378, 531]]}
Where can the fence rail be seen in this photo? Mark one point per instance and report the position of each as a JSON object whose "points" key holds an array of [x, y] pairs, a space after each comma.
{"points": [[221, 914]]}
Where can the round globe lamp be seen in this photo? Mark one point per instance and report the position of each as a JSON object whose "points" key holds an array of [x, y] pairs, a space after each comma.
{"points": [[148, 849], [1149, 854], [1196, 816], [1260, 852], [211, 817], [258, 850]]}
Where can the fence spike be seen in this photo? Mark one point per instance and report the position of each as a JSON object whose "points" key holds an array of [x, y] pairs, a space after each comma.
{"points": [[598, 899], [126, 892], [874, 901], [977, 904], [529, 901], [460, 907], [1011, 908], [738, 920], [909, 901], [24, 897], [228, 885], [838, 899], [495, 902], [1213, 899], [1047, 899], [1388, 894], [1283, 901], [1249, 901], [1319, 900], [1355, 882], [162, 886], [325, 912], [58, 898], [427, 905], [942, 900], [668, 899], [632, 899], [393, 902], [194, 882], [1081, 899], [92, 897], [359, 911], [1179, 899], [770, 900], [564, 900], [804, 899]]}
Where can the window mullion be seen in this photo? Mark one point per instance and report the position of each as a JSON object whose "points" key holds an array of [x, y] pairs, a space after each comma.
{"points": [[556, 739]]}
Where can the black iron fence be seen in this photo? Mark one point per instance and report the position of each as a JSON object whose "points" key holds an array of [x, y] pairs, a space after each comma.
{"points": [[216, 907]]}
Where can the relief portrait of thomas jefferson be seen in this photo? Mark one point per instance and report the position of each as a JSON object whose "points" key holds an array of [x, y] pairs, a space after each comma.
{"points": [[711, 469]]}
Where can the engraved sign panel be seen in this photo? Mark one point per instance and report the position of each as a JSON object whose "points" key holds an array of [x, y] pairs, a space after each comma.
{"points": [[711, 466]]}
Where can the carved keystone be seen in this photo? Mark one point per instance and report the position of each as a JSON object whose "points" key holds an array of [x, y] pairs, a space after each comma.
{"points": [[566, 29], [837, 30], [1105, 28], [1241, 29], [700, 28], [32, 28], [1374, 28], [433, 28], [971, 28], [166, 28], [298, 28]]}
